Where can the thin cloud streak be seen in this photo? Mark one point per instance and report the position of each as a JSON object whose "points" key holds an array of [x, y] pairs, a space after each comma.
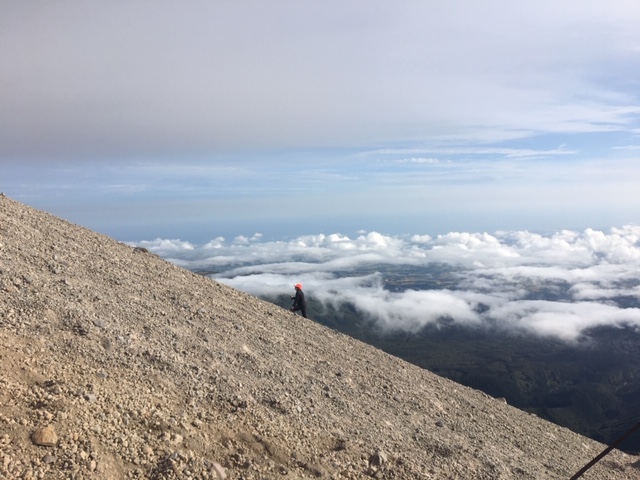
{"points": [[497, 278]]}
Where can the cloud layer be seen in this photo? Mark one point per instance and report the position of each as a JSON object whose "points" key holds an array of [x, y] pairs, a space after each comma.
{"points": [[557, 285], [148, 78]]}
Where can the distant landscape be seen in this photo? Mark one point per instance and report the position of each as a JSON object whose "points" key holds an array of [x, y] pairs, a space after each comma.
{"points": [[591, 386]]}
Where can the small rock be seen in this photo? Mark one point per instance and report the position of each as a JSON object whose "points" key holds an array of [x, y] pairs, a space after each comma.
{"points": [[106, 344], [220, 473], [378, 459], [44, 437], [197, 423], [99, 323]]}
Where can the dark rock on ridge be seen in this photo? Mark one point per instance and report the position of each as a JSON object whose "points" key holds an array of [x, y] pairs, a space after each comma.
{"points": [[145, 370]]}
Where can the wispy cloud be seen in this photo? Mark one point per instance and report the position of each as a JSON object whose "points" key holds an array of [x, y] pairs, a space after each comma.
{"points": [[627, 147], [418, 160], [558, 285], [478, 151]]}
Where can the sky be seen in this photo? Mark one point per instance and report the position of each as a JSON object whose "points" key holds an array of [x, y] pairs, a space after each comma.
{"points": [[589, 278], [198, 119]]}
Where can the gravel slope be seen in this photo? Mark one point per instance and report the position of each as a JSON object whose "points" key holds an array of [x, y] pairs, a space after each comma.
{"points": [[117, 364]]}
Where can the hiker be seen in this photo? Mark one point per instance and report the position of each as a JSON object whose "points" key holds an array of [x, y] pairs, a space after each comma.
{"points": [[299, 303]]}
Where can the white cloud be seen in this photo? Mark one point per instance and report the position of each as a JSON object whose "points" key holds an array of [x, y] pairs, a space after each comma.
{"points": [[564, 320], [167, 246], [510, 275], [412, 310], [216, 243], [627, 147], [419, 160]]}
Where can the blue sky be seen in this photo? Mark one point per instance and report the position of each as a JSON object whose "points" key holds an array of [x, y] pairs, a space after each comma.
{"points": [[202, 119]]}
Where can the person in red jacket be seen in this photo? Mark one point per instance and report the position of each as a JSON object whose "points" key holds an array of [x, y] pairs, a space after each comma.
{"points": [[299, 302]]}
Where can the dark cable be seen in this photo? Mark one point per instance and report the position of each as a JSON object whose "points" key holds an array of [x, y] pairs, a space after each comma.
{"points": [[617, 442]]}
